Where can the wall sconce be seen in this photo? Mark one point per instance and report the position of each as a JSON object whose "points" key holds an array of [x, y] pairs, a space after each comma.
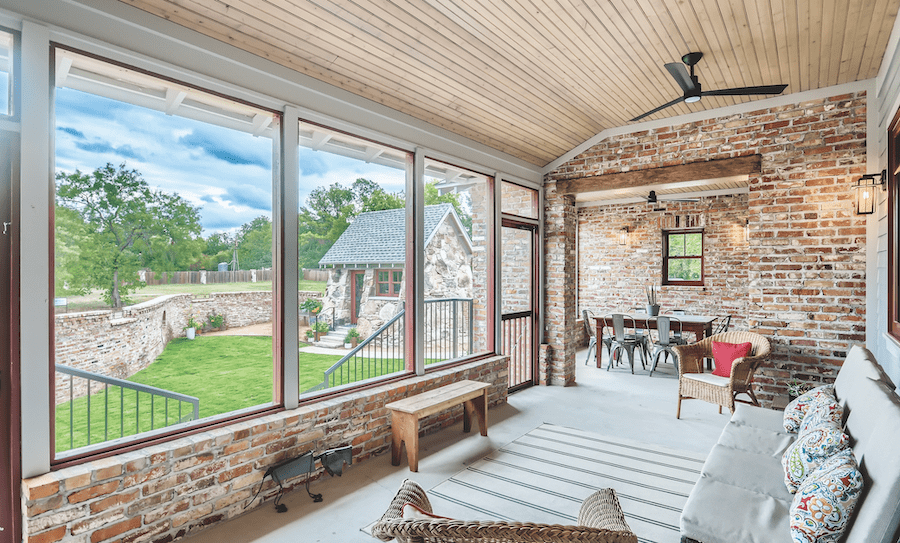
{"points": [[623, 236], [747, 230], [865, 191]]}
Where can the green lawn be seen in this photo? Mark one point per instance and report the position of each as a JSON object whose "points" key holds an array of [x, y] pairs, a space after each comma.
{"points": [[226, 373]]}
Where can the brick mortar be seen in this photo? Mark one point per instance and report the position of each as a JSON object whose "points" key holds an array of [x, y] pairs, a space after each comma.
{"points": [[164, 492], [805, 278]]}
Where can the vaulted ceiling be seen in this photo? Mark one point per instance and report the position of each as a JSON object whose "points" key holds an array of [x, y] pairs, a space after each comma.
{"points": [[535, 78]]}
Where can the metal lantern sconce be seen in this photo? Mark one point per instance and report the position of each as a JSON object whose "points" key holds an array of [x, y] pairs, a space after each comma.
{"points": [[623, 236], [865, 191]]}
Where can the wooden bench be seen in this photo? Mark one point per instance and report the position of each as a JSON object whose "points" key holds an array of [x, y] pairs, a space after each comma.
{"points": [[406, 413]]}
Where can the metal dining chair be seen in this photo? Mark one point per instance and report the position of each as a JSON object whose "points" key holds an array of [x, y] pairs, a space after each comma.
{"points": [[724, 323], [669, 329], [623, 343], [590, 328]]}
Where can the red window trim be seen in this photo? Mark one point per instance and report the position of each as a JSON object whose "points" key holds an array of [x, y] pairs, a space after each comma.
{"points": [[666, 257], [393, 286]]}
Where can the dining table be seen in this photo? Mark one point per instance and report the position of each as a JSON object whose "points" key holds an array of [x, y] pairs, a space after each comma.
{"points": [[700, 325]]}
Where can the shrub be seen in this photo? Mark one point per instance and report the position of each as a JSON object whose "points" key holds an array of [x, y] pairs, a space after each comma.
{"points": [[312, 305], [216, 320]]}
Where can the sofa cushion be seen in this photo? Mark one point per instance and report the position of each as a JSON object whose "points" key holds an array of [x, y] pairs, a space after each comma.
{"points": [[822, 507], [717, 512], [859, 368], [796, 410], [731, 466], [758, 440], [877, 514], [724, 355], [810, 450]]}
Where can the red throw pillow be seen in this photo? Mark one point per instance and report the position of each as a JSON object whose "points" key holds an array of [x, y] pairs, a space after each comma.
{"points": [[725, 354]]}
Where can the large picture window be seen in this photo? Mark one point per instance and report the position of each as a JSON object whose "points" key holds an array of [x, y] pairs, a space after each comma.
{"points": [[163, 255], [682, 257]]}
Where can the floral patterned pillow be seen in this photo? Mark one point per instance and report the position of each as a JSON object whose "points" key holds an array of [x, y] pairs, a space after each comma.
{"points": [[825, 501], [795, 411], [810, 450], [822, 410]]}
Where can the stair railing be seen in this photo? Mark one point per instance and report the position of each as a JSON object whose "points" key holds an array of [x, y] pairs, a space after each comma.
{"points": [[449, 334]]}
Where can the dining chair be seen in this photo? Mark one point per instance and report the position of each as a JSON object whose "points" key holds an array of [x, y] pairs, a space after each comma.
{"points": [[722, 326], [590, 327], [669, 329], [623, 343]]}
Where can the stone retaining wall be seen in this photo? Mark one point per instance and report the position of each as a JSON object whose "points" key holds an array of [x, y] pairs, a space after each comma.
{"points": [[165, 492], [122, 343]]}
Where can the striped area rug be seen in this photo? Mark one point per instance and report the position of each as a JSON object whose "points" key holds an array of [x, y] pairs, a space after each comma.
{"points": [[545, 475]]}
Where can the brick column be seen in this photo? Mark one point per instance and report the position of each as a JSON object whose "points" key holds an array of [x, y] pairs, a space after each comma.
{"points": [[559, 260]]}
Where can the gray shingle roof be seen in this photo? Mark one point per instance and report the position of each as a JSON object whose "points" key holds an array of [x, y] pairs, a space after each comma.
{"points": [[377, 237]]}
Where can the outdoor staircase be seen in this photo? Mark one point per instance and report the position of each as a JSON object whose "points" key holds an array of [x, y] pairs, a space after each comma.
{"points": [[335, 338]]}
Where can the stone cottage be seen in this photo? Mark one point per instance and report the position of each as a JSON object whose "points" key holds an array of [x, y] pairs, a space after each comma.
{"points": [[366, 286]]}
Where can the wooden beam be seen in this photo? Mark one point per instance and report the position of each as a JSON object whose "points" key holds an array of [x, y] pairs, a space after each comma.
{"points": [[710, 169]]}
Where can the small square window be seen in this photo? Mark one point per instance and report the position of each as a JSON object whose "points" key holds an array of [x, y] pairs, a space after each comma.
{"points": [[682, 258]]}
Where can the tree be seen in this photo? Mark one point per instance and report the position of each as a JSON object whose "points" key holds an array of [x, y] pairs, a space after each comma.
{"points": [[125, 224], [255, 244], [328, 212], [434, 197]]}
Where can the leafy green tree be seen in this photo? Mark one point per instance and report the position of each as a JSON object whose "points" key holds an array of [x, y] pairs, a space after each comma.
{"points": [[255, 244], [125, 222], [434, 197]]}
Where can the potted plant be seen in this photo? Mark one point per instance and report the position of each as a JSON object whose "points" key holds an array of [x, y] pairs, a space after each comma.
{"points": [[652, 302], [352, 338], [797, 388], [320, 328], [191, 327], [216, 321], [310, 334], [311, 305]]}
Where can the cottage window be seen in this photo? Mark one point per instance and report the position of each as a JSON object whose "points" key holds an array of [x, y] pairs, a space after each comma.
{"points": [[682, 257], [387, 282]]}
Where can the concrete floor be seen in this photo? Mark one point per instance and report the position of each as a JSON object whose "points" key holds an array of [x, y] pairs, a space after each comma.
{"points": [[614, 403]]}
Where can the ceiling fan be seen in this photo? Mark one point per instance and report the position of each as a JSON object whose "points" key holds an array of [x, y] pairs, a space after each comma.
{"points": [[693, 91]]}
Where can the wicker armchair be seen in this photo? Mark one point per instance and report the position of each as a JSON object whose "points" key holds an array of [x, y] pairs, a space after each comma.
{"points": [[694, 384], [600, 521]]}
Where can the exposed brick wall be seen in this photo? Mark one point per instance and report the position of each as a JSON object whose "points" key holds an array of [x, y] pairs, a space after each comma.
{"points": [[613, 276], [162, 493], [806, 252], [559, 304]]}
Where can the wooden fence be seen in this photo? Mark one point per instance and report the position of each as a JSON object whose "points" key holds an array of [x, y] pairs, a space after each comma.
{"points": [[238, 276]]}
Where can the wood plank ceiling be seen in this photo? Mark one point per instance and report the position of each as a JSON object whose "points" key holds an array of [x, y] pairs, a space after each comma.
{"points": [[535, 78]]}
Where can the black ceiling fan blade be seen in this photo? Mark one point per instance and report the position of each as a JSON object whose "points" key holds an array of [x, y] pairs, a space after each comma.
{"points": [[660, 108], [746, 91], [681, 76]]}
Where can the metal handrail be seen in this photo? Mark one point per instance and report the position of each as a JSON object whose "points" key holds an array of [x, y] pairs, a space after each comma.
{"points": [[123, 384], [375, 335], [352, 353]]}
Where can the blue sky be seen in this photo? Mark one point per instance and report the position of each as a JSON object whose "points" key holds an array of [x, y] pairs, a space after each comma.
{"points": [[225, 172]]}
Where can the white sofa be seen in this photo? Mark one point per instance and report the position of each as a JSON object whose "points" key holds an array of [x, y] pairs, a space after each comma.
{"points": [[741, 495]]}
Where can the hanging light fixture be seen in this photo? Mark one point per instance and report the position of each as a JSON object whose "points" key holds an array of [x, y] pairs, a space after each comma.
{"points": [[865, 191]]}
